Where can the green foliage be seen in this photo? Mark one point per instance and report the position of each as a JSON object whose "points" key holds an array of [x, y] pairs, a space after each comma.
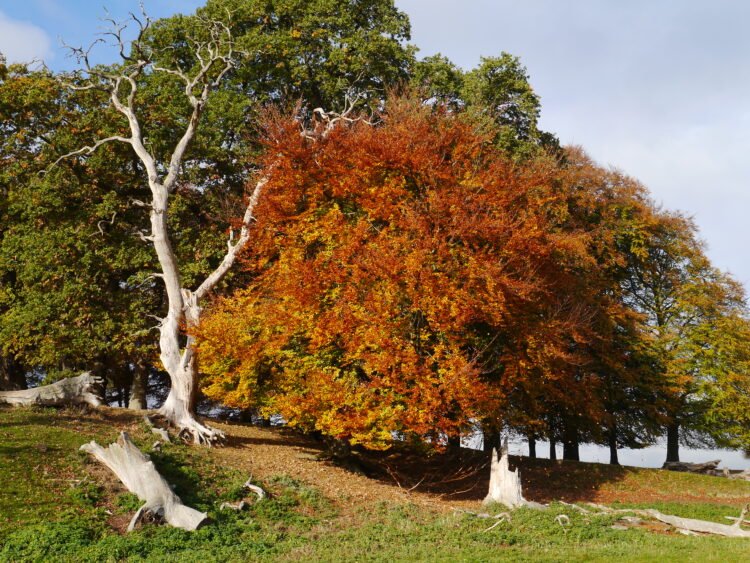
{"points": [[128, 502], [439, 79]]}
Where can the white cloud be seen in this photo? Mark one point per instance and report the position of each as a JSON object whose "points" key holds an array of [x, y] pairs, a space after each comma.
{"points": [[657, 89], [22, 41]]}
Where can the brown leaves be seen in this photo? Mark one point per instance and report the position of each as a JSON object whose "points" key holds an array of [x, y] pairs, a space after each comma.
{"points": [[406, 277]]}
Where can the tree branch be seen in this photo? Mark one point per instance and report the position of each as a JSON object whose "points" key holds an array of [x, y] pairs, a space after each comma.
{"points": [[233, 249], [90, 149]]}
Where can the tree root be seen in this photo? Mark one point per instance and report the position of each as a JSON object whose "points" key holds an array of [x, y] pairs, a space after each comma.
{"points": [[192, 431]]}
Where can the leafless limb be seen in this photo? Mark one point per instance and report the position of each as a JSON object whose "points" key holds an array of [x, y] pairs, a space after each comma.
{"points": [[87, 150], [324, 122], [105, 221]]}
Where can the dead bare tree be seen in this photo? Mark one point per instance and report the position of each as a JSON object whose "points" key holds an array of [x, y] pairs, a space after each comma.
{"points": [[215, 56]]}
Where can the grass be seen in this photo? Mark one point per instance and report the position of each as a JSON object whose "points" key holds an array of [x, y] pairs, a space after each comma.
{"points": [[57, 505]]}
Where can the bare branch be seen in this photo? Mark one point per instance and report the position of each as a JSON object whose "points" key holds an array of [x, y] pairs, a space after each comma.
{"points": [[87, 150], [218, 274], [104, 221]]}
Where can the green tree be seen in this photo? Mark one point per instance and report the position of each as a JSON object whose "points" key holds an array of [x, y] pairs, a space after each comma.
{"points": [[70, 297], [687, 304]]}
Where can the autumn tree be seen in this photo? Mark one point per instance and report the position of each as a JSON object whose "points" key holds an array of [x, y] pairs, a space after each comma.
{"points": [[229, 53], [395, 282], [620, 354]]}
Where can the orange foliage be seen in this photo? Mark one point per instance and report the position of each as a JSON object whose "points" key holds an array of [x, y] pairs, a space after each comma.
{"points": [[407, 279]]}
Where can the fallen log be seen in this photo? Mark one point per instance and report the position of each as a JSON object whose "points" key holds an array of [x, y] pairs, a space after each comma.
{"points": [[83, 389], [745, 475], [138, 474], [708, 467], [703, 526]]}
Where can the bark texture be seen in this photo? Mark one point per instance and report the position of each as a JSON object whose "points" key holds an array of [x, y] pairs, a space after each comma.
{"points": [[138, 388], [83, 389], [673, 442], [138, 474], [505, 485]]}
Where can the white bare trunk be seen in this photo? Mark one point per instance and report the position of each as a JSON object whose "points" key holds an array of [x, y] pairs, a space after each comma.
{"points": [[505, 485], [138, 474], [183, 312], [73, 390]]}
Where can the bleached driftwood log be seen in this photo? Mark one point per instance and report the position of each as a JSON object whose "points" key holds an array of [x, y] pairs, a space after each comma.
{"points": [[505, 485], [703, 526], [138, 474], [83, 389]]}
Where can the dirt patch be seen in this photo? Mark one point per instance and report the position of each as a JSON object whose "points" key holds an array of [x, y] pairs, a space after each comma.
{"points": [[445, 480]]}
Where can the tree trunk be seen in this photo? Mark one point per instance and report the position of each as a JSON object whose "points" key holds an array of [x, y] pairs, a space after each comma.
{"points": [[532, 446], [183, 311], [491, 440], [454, 443], [613, 459], [138, 387], [138, 474], [673, 442], [84, 389], [552, 449], [570, 442], [505, 485], [570, 451], [12, 375]]}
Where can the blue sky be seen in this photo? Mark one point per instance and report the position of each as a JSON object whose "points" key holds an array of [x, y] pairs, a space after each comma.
{"points": [[657, 88]]}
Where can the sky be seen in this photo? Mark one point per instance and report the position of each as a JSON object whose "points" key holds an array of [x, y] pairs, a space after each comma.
{"points": [[657, 88]]}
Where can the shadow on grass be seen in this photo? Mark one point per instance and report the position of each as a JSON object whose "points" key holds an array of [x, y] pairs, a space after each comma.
{"points": [[464, 476]]}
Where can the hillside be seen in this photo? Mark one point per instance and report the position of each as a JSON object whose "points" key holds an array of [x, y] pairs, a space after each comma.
{"points": [[55, 504]]}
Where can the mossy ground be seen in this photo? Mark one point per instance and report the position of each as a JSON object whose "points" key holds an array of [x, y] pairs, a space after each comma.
{"points": [[57, 505]]}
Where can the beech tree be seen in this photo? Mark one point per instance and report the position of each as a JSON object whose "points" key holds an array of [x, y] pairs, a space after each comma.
{"points": [[396, 283], [694, 313]]}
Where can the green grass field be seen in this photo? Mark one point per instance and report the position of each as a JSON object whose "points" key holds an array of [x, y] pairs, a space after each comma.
{"points": [[57, 505]]}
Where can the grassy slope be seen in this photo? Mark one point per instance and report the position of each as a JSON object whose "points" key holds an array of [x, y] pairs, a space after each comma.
{"points": [[57, 505]]}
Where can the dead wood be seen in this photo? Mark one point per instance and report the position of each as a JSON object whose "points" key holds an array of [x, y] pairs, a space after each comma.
{"points": [[84, 389], [139, 475]]}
